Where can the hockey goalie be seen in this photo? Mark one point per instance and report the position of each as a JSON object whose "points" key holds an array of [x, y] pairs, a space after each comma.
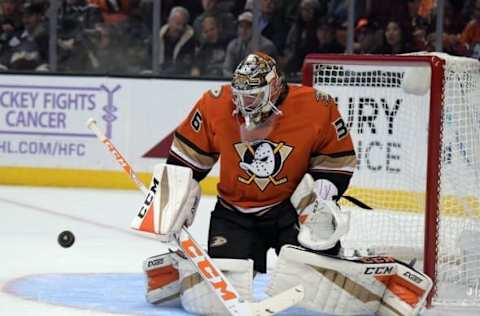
{"points": [[286, 159]]}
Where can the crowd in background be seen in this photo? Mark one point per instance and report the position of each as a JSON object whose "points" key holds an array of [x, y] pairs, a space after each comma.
{"points": [[209, 37]]}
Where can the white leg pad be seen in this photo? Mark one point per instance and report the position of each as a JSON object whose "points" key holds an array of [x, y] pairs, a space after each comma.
{"points": [[162, 277], [198, 298], [406, 293], [327, 289]]}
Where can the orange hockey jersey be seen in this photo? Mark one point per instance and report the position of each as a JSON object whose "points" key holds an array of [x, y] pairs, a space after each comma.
{"points": [[309, 136]]}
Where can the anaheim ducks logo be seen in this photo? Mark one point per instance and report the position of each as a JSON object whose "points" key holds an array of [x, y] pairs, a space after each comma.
{"points": [[262, 161]]}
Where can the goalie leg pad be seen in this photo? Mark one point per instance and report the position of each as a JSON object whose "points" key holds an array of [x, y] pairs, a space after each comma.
{"points": [[198, 298], [406, 292], [351, 286], [162, 276], [329, 288]]}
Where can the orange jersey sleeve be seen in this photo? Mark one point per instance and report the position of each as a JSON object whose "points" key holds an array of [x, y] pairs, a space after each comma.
{"points": [[333, 155], [193, 139]]}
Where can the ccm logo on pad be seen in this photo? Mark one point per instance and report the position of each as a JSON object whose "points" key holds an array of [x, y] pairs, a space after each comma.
{"points": [[379, 270], [148, 199]]}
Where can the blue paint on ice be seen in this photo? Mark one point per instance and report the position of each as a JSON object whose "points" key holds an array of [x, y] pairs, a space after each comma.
{"points": [[108, 292]]}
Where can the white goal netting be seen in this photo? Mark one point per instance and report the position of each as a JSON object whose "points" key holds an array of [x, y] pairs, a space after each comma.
{"points": [[387, 103]]}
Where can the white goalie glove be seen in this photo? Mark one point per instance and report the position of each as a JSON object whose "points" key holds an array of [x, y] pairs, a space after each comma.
{"points": [[170, 204], [322, 222]]}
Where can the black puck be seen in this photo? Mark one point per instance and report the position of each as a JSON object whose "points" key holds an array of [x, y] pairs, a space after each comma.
{"points": [[66, 239]]}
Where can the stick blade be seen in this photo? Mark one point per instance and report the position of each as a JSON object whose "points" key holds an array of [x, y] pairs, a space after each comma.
{"points": [[279, 302]]}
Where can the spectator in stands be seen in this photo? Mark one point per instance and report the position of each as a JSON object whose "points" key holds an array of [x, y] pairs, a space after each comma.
{"points": [[327, 39], [194, 8], [470, 37], [133, 37], [422, 36], [338, 10], [86, 14], [415, 19], [302, 38], [11, 15], [103, 51], [272, 23], [397, 38], [423, 20], [225, 20], [74, 47], [31, 50], [210, 56], [88, 45], [467, 9], [383, 11], [77, 34], [42, 4], [453, 24], [369, 37], [110, 51], [287, 9], [10, 25], [243, 44], [115, 11], [177, 44], [236, 7], [421, 23]]}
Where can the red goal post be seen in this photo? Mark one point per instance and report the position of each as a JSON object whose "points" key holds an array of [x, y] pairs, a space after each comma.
{"points": [[415, 122]]}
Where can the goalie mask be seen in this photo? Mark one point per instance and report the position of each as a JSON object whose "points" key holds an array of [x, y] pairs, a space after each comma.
{"points": [[256, 87]]}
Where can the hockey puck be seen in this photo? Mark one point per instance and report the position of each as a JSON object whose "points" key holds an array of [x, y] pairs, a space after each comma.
{"points": [[66, 239]]}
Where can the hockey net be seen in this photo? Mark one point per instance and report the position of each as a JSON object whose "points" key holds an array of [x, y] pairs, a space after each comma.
{"points": [[415, 123]]}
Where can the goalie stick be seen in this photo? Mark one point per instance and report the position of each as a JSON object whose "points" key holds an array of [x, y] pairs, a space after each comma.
{"points": [[202, 262]]}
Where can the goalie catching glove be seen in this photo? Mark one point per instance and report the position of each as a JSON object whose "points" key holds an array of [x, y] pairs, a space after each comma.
{"points": [[322, 222], [171, 202]]}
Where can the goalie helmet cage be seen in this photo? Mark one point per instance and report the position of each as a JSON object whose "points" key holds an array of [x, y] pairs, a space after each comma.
{"points": [[415, 123]]}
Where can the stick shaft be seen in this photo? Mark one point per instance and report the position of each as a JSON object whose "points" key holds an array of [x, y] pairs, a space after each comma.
{"points": [[217, 281], [92, 125]]}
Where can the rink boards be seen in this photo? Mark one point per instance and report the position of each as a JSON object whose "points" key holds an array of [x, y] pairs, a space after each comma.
{"points": [[44, 140]]}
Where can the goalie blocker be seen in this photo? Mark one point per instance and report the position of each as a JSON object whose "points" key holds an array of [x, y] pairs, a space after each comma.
{"points": [[170, 203], [351, 286]]}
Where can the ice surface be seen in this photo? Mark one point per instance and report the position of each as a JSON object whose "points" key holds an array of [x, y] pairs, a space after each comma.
{"points": [[101, 274]]}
